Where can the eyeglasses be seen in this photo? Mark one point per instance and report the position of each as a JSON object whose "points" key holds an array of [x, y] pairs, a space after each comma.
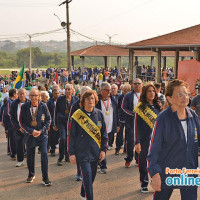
{"points": [[89, 98], [36, 95], [183, 94], [107, 90], [136, 83]]}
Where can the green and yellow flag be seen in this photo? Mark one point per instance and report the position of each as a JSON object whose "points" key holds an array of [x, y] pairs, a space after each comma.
{"points": [[19, 79]]}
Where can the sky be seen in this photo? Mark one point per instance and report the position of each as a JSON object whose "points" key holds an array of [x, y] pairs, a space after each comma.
{"points": [[126, 21]]}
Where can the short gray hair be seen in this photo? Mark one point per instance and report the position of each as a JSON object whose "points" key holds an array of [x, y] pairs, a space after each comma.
{"points": [[46, 94], [84, 88], [104, 85]]}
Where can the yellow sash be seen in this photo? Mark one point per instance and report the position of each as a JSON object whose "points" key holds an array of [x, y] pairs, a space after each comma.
{"points": [[88, 125], [146, 114]]}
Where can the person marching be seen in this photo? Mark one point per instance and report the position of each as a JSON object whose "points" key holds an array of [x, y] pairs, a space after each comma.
{"points": [[63, 106], [53, 132], [129, 103], [122, 117], [35, 120], [76, 106], [87, 140], [174, 145], [108, 106], [19, 133], [13, 94], [146, 113]]}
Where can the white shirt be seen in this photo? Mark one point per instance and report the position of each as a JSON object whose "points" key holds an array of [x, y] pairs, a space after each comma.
{"points": [[108, 118], [184, 125], [19, 110], [136, 99]]}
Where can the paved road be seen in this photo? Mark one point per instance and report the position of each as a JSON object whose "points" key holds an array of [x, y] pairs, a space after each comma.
{"points": [[119, 182]]}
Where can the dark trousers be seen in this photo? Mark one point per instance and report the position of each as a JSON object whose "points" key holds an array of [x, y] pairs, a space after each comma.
{"points": [[78, 169], [110, 138], [19, 138], [189, 193], [11, 138], [53, 139], [142, 163], [119, 138], [88, 170], [129, 145], [63, 142], [42, 143]]}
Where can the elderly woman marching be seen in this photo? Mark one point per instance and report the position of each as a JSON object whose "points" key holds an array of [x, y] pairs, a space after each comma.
{"points": [[146, 113], [87, 140], [174, 145]]}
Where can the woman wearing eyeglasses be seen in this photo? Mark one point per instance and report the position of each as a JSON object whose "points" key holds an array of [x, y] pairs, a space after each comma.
{"points": [[174, 145], [146, 113]]}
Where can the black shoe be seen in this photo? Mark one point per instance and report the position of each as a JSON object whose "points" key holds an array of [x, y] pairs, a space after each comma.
{"points": [[144, 190], [47, 182], [117, 152], [59, 162], [30, 179], [53, 154], [67, 159]]}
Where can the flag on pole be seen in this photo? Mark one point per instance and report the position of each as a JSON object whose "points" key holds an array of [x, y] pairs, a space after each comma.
{"points": [[56, 78], [19, 79]]}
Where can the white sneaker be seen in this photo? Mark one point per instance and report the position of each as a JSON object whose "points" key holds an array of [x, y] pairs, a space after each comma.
{"points": [[82, 198], [19, 164]]}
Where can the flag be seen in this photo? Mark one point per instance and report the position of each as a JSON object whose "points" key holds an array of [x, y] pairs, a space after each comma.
{"points": [[56, 78], [19, 79]]}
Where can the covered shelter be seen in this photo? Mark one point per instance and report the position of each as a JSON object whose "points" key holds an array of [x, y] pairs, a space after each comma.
{"points": [[104, 51], [185, 40]]}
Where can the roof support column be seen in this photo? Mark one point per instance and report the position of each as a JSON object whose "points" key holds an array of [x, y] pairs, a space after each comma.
{"points": [[72, 58], [158, 66], [118, 62], [105, 61], [83, 64], [197, 54], [131, 63], [176, 59], [164, 61], [152, 61]]}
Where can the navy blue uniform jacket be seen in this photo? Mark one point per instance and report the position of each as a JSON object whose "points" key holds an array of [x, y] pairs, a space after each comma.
{"points": [[142, 131], [81, 144], [13, 114], [168, 147], [115, 113], [43, 119], [127, 106], [51, 107], [7, 118], [61, 117], [121, 113]]}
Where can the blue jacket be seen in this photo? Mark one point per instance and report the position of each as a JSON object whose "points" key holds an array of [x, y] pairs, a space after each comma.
{"points": [[7, 117], [2, 116], [121, 113], [61, 117], [43, 119], [13, 114], [115, 113], [142, 131], [168, 147], [127, 106], [51, 107], [81, 144]]}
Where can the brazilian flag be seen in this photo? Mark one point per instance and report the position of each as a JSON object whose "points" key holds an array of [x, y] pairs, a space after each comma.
{"points": [[19, 79]]}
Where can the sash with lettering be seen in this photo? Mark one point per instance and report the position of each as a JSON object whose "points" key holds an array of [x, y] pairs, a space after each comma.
{"points": [[148, 115], [88, 125]]}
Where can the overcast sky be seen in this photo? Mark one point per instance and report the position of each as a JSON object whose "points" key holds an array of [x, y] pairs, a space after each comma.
{"points": [[131, 20]]}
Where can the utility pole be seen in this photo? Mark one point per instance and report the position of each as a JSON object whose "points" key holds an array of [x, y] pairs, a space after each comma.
{"points": [[109, 58], [30, 47], [67, 24]]}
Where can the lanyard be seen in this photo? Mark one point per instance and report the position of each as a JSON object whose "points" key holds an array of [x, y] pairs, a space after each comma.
{"points": [[106, 107], [137, 96], [34, 114]]}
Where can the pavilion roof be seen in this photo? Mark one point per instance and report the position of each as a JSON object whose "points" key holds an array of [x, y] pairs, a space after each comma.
{"points": [[183, 39]]}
